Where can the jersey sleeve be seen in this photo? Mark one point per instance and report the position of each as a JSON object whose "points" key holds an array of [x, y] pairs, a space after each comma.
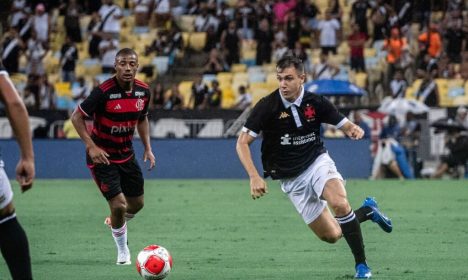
{"points": [[144, 113], [255, 122], [92, 102], [330, 113]]}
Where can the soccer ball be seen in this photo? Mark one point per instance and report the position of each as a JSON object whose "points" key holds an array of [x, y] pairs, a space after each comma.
{"points": [[154, 262]]}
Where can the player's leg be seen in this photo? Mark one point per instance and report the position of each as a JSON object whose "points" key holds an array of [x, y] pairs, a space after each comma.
{"points": [[107, 178], [13, 240], [334, 193]]}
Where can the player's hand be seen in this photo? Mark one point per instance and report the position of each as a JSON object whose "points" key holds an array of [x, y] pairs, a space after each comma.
{"points": [[25, 173], [355, 132], [258, 187], [148, 155], [98, 155]]}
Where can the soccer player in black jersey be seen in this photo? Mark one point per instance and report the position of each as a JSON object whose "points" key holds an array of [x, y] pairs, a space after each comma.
{"points": [[13, 240], [117, 107], [292, 152]]}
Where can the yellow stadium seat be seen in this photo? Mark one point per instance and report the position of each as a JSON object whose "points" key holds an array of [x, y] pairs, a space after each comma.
{"points": [[185, 89], [63, 89], [235, 68], [197, 41], [187, 23], [224, 77], [228, 97]]}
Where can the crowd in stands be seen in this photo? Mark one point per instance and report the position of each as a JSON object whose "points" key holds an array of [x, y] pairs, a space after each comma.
{"points": [[389, 47]]}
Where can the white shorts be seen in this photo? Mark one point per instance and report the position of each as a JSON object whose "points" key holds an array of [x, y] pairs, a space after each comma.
{"points": [[6, 194], [305, 190]]}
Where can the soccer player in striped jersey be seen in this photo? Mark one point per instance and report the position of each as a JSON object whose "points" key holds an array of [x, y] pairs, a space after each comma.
{"points": [[118, 106], [13, 240]]}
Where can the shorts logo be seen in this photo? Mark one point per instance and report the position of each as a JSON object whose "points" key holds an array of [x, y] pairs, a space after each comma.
{"points": [[115, 96], [283, 115], [140, 104], [104, 187], [285, 140]]}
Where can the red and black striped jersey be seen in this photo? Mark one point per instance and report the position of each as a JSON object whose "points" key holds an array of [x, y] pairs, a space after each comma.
{"points": [[115, 113]]}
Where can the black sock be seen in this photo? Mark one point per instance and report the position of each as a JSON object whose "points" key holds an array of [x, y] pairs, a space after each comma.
{"points": [[15, 249], [352, 233], [363, 214]]}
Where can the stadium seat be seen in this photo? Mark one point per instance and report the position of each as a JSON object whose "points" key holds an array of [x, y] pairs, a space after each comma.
{"points": [[63, 89], [224, 77], [238, 68], [187, 23], [228, 97], [197, 41], [185, 89]]}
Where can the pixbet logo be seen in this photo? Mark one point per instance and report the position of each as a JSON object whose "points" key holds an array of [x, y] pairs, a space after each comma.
{"points": [[120, 129]]}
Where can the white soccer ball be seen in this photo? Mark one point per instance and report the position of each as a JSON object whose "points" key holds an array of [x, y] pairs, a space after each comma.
{"points": [[154, 262]]}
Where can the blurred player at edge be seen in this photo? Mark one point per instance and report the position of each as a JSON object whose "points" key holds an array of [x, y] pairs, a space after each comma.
{"points": [[292, 152], [13, 239], [117, 107]]}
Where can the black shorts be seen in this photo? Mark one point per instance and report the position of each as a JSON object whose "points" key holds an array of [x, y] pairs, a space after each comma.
{"points": [[119, 178]]}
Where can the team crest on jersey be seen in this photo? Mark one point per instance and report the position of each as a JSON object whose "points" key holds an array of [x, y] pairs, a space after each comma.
{"points": [[140, 104], [283, 115], [309, 113], [139, 93]]}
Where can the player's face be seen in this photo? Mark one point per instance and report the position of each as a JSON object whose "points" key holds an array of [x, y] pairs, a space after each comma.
{"points": [[126, 67], [290, 82]]}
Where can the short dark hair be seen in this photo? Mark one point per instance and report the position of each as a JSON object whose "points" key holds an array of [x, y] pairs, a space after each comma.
{"points": [[290, 61], [126, 51]]}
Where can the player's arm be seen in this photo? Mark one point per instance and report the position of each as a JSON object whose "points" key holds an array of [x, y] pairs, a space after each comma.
{"points": [[19, 120], [143, 131], [258, 186], [97, 154]]}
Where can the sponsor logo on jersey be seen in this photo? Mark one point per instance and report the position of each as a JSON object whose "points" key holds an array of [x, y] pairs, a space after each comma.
{"points": [[115, 96], [139, 93], [283, 115], [297, 140], [120, 129], [117, 107], [309, 113], [285, 140]]}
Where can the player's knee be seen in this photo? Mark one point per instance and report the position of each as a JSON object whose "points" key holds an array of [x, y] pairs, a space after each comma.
{"points": [[331, 238], [119, 207], [341, 207]]}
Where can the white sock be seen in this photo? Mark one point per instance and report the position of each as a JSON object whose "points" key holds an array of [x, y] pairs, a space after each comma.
{"points": [[120, 237], [129, 216]]}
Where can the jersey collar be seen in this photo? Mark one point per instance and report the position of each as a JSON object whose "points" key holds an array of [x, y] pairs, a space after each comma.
{"points": [[296, 102]]}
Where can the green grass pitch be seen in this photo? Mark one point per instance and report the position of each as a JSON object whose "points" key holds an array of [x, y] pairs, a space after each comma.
{"points": [[214, 230]]}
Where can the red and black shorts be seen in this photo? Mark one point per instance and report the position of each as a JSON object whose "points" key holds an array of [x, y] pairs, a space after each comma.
{"points": [[119, 178]]}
